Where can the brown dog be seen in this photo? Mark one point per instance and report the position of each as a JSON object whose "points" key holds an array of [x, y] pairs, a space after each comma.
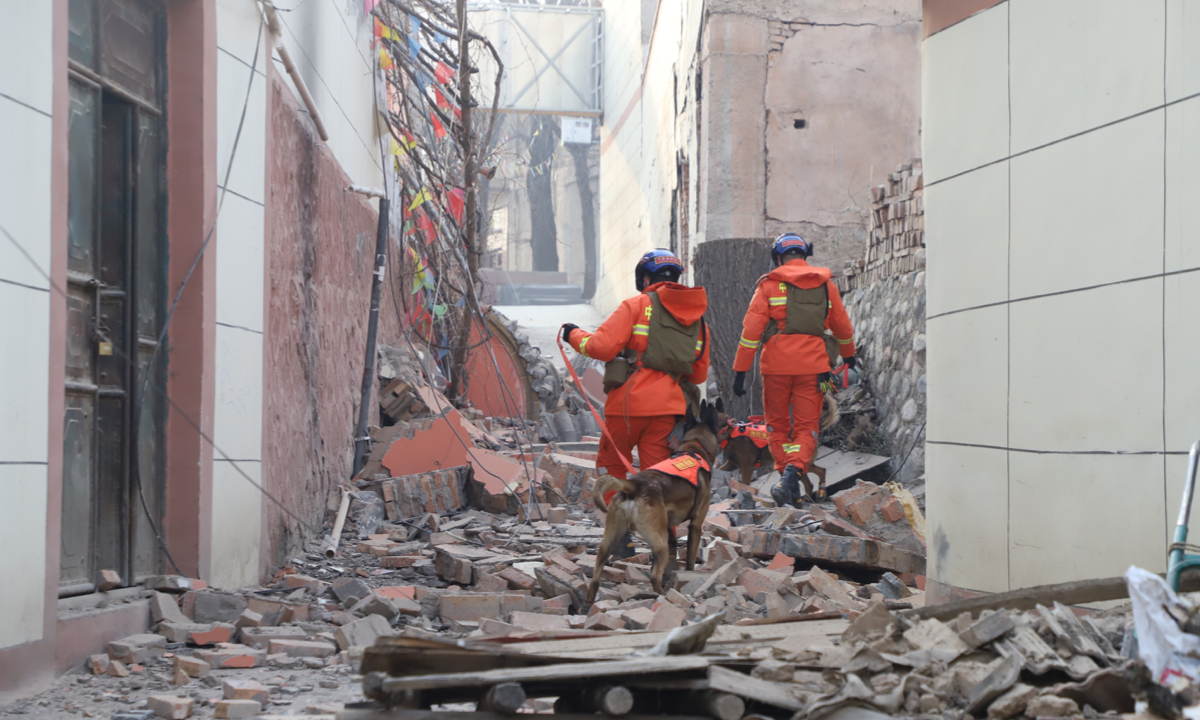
{"points": [[743, 455], [654, 501]]}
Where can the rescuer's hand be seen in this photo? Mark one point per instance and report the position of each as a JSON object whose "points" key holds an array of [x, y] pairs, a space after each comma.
{"points": [[826, 383], [739, 384], [566, 332], [851, 362]]}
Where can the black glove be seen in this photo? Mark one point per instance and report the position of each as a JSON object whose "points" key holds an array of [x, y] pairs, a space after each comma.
{"points": [[739, 384], [851, 362], [566, 332], [825, 383]]}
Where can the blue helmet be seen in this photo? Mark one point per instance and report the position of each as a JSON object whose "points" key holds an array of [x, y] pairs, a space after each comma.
{"points": [[789, 242], [658, 260]]}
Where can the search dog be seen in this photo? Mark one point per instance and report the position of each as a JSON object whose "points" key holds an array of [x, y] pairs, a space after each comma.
{"points": [[652, 502]]}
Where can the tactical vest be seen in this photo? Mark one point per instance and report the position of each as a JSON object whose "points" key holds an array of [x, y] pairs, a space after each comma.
{"points": [[806, 310], [670, 347], [686, 466]]}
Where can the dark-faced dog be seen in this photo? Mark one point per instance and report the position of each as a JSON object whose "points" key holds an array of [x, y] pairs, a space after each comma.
{"points": [[742, 454], [654, 501]]}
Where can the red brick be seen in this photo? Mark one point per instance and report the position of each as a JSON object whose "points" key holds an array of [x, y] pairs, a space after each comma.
{"points": [[781, 562], [638, 618], [557, 515], [302, 648], [756, 582], [604, 621], [231, 656], [490, 583], [220, 633], [98, 664], [396, 592], [234, 689], [844, 498], [539, 622], [862, 510], [192, 667], [170, 706], [892, 509], [612, 574], [236, 709], [517, 580], [468, 608], [666, 617], [455, 570], [399, 561]]}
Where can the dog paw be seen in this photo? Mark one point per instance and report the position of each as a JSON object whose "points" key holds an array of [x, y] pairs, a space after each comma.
{"points": [[820, 494]]}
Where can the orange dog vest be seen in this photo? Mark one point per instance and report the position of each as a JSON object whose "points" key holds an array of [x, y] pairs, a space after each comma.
{"points": [[757, 434], [686, 466]]}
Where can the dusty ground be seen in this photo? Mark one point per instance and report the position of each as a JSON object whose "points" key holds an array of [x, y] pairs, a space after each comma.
{"points": [[81, 695]]}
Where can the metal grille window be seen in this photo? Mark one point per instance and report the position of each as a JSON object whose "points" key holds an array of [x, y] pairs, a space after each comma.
{"points": [[116, 271]]}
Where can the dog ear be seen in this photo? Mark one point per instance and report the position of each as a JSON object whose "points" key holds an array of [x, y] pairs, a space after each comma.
{"points": [[689, 419], [720, 405]]}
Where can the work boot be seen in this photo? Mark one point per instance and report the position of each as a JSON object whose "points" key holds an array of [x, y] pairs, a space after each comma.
{"points": [[787, 490]]}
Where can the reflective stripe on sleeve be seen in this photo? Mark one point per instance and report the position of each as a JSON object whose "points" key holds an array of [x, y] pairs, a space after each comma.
{"points": [[752, 344], [847, 341], [641, 329], [583, 346]]}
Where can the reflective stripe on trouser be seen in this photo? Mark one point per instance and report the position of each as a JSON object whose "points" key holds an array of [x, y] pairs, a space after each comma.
{"points": [[649, 434], [792, 404]]}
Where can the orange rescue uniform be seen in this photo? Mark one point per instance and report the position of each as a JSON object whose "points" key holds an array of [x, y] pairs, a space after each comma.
{"points": [[790, 364], [642, 412]]}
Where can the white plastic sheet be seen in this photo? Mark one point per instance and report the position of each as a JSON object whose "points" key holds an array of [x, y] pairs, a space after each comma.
{"points": [[1169, 653]]}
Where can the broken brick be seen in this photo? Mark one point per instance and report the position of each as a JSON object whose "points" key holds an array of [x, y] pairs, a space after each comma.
{"points": [[194, 667], [892, 509], [170, 706], [231, 656], [302, 648], [236, 689], [517, 580], [668, 616], [453, 569], [604, 621], [164, 608], [638, 618], [98, 664], [468, 607], [236, 709], [539, 622], [137, 648], [361, 633], [490, 583], [400, 561]]}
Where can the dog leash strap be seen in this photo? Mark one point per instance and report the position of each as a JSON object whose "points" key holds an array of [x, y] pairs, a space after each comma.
{"points": [[586, 399]]}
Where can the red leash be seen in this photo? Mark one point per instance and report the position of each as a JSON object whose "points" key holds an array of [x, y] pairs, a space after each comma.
{"points": [[586, 399]]}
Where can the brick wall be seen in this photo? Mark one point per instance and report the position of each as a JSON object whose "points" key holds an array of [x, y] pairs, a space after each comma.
{"points": [[895, 229]]}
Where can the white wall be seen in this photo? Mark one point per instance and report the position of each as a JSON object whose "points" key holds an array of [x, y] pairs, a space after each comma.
{"points": [[239, 246], [1062, 277], [26, 85]]}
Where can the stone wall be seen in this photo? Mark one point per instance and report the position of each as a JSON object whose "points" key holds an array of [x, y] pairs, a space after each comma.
{"points": [[885, 296]]}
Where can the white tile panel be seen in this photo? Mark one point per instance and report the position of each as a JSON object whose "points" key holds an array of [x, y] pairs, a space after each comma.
{"points": [[1087, 370], [24, 191], [1089, 210], [1181, 343], [248, 176], [23, 527], [1183, 49], [1182, 251], [237, 525], [967, 372], [967, 511], [240, 259], [966, 240], [965, 94], [238, 413], [24, 373], [238, 25], [1078, 64], [27, 55], [1076, 517]]}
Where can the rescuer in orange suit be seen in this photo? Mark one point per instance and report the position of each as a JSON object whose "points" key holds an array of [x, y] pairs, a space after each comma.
{"points": [[647, 353], [794, 304]]}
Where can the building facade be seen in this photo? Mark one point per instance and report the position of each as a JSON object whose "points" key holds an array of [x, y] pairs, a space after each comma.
{"points": [[177, 251], [734, 119], [1060, 146]]}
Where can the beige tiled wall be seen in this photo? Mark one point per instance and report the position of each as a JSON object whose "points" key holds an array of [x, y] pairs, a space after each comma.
{"points": [[1061, 154]]}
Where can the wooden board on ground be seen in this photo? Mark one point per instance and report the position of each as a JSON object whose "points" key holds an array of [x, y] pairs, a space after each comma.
{"points": [[548, 673], [763, 691], [841, 468], [723, 639], [399, 714]]}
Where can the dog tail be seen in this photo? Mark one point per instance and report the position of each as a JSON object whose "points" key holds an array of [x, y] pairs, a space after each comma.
{"points": [[606, 486], [831, 414]]}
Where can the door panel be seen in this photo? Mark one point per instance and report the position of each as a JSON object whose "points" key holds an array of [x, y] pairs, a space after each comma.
{"points": [[77, 491]]}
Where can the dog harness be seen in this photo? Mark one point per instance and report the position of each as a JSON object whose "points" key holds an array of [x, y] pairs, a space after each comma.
{"points": [[756, 432], [686, 466]]}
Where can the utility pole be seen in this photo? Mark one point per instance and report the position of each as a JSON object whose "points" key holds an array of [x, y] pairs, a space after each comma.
{"points": [[470, 225]]}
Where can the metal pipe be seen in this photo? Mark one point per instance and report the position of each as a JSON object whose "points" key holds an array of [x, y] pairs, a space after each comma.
{"points": [[362, 443], [362, 190], [329, 548], [1189, 488], [293, 73]]}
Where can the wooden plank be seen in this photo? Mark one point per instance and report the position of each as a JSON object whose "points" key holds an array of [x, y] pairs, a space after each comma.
{"points": [[1078, 592], [400, 714], [564, 671], [624, 643], [763, 691]]}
